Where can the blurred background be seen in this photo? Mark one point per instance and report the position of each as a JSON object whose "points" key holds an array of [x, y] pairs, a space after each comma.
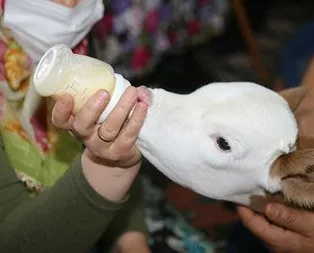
{"points": [[181, 45]]}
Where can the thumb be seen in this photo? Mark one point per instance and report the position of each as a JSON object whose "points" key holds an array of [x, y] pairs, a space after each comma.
{"points": [[295, 220]]}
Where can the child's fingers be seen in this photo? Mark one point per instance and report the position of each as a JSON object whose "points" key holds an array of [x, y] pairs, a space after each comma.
{"points": [[62, 112], [125, 142], [112, 125], [85, 119], [131, 130]]}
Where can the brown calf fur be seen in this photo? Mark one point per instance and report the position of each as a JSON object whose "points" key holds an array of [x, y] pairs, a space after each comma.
{"points": [[295, 170]]}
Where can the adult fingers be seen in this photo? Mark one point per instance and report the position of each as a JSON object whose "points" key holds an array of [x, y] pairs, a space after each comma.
{"points": [[259, 226], [299, 221]]}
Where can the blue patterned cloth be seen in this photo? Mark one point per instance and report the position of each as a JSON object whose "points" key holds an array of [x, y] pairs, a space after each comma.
{"points": [[169, 230]]}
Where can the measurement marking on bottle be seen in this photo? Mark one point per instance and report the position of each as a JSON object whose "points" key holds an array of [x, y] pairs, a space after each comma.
{"points": [[74, 88]]}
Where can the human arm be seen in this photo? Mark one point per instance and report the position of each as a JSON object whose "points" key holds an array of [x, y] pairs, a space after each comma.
{"points": [[68, 217], [72, 214]]}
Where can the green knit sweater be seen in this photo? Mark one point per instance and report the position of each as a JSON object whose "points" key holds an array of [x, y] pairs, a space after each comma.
{"points": [[69, 217]]}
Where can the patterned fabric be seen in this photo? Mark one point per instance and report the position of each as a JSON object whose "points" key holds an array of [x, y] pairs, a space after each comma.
{"points": [[36, 149], [181, 221], [133, 34], [169, 230]]}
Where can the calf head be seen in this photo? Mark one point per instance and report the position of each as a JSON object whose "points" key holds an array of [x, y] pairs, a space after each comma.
{"points": [[230, 141]]}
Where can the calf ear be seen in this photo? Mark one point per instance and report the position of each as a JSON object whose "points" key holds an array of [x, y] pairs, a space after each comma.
{"points": [[294, 96], [296, 174]]}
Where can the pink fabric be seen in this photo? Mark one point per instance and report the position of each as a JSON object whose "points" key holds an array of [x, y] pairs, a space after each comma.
{"points": [[2, 3]]}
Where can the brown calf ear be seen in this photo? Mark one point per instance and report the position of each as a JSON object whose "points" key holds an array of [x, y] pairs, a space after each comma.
{"points": [[294, 96], [296, 174]]}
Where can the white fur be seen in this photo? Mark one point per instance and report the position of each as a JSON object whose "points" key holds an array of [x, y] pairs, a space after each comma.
{"points": [[179, 138]]}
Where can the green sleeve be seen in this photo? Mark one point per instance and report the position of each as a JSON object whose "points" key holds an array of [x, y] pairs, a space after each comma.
{"points": [[68, 217], [130, 218]]}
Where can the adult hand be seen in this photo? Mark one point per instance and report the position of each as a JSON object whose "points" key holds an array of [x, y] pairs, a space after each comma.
{"points": [[283, 229]]}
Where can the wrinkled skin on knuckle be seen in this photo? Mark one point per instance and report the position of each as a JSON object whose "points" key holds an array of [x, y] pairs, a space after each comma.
{"points": [[77, 128]]}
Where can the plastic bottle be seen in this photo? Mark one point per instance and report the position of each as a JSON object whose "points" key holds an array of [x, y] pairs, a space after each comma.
{"points": [[61, 71]]}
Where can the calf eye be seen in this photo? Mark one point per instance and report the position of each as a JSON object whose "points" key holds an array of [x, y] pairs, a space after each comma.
{"points": [[223, 144]]}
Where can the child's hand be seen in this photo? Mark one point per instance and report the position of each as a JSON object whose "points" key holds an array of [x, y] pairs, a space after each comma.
{"points": [[110, 147], [112, 142]]}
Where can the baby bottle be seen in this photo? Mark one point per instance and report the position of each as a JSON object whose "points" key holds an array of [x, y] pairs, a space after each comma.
{"points": [[61, 71]]}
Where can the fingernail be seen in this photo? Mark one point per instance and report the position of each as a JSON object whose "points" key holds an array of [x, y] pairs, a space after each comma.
{"points": [[102, 95]]}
